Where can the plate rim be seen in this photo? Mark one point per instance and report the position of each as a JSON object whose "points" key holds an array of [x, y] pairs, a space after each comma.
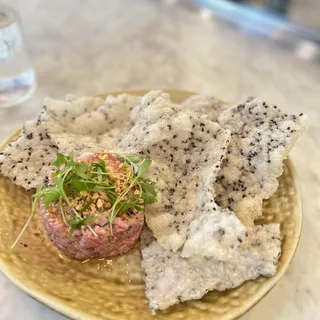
{"points": [[55, 304]]}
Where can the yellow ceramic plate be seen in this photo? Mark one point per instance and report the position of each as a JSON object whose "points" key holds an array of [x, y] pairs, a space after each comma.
{"points": [[114, 289]]}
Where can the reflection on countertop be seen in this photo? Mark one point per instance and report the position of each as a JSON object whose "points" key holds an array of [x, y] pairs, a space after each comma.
{"points": [[93, 47], [304, 12], [278, 28]]}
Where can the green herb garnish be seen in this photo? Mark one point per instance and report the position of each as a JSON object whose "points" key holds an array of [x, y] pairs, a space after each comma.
{"points": [[71, 178]]}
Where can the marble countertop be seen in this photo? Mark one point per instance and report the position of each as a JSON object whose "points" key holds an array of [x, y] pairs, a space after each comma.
{"points": [[84, 47]]}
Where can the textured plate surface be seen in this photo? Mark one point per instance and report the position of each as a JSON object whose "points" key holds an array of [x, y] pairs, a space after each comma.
{"points": [[114, 289]]}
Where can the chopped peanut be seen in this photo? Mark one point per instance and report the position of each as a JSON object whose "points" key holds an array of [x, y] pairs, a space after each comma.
{"points": [[95, 196], [99, 203], [79, 206]]}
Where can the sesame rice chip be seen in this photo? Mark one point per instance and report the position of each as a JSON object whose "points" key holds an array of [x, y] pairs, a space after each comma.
{"points": [[171, 279], [206, 105], [261, 138], [184, 168], [77, 124]]}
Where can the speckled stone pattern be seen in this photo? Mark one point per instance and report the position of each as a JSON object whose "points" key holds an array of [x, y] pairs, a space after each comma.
{"points": [[114, 289]]}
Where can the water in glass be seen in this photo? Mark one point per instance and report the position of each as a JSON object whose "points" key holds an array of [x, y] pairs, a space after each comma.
{"points": [[17, 77]]}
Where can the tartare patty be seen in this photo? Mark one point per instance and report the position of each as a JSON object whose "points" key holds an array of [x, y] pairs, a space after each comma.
{"points": [[106, 240]]}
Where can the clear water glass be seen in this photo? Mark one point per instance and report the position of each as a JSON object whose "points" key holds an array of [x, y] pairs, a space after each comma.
{"points": [[17, 77]]}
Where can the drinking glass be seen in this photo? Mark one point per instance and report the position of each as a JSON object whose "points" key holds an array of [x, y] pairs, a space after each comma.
{"points": [[17, 76]]}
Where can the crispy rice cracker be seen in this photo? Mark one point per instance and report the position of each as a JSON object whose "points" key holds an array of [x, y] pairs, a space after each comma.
{"points": [[261, 138], [184, 169], [76, 124], [89, 124], [207, 105], [171, 279]]}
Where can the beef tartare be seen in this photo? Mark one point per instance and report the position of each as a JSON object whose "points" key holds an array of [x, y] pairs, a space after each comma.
{"points": [[92, 206], [83, 244]]}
